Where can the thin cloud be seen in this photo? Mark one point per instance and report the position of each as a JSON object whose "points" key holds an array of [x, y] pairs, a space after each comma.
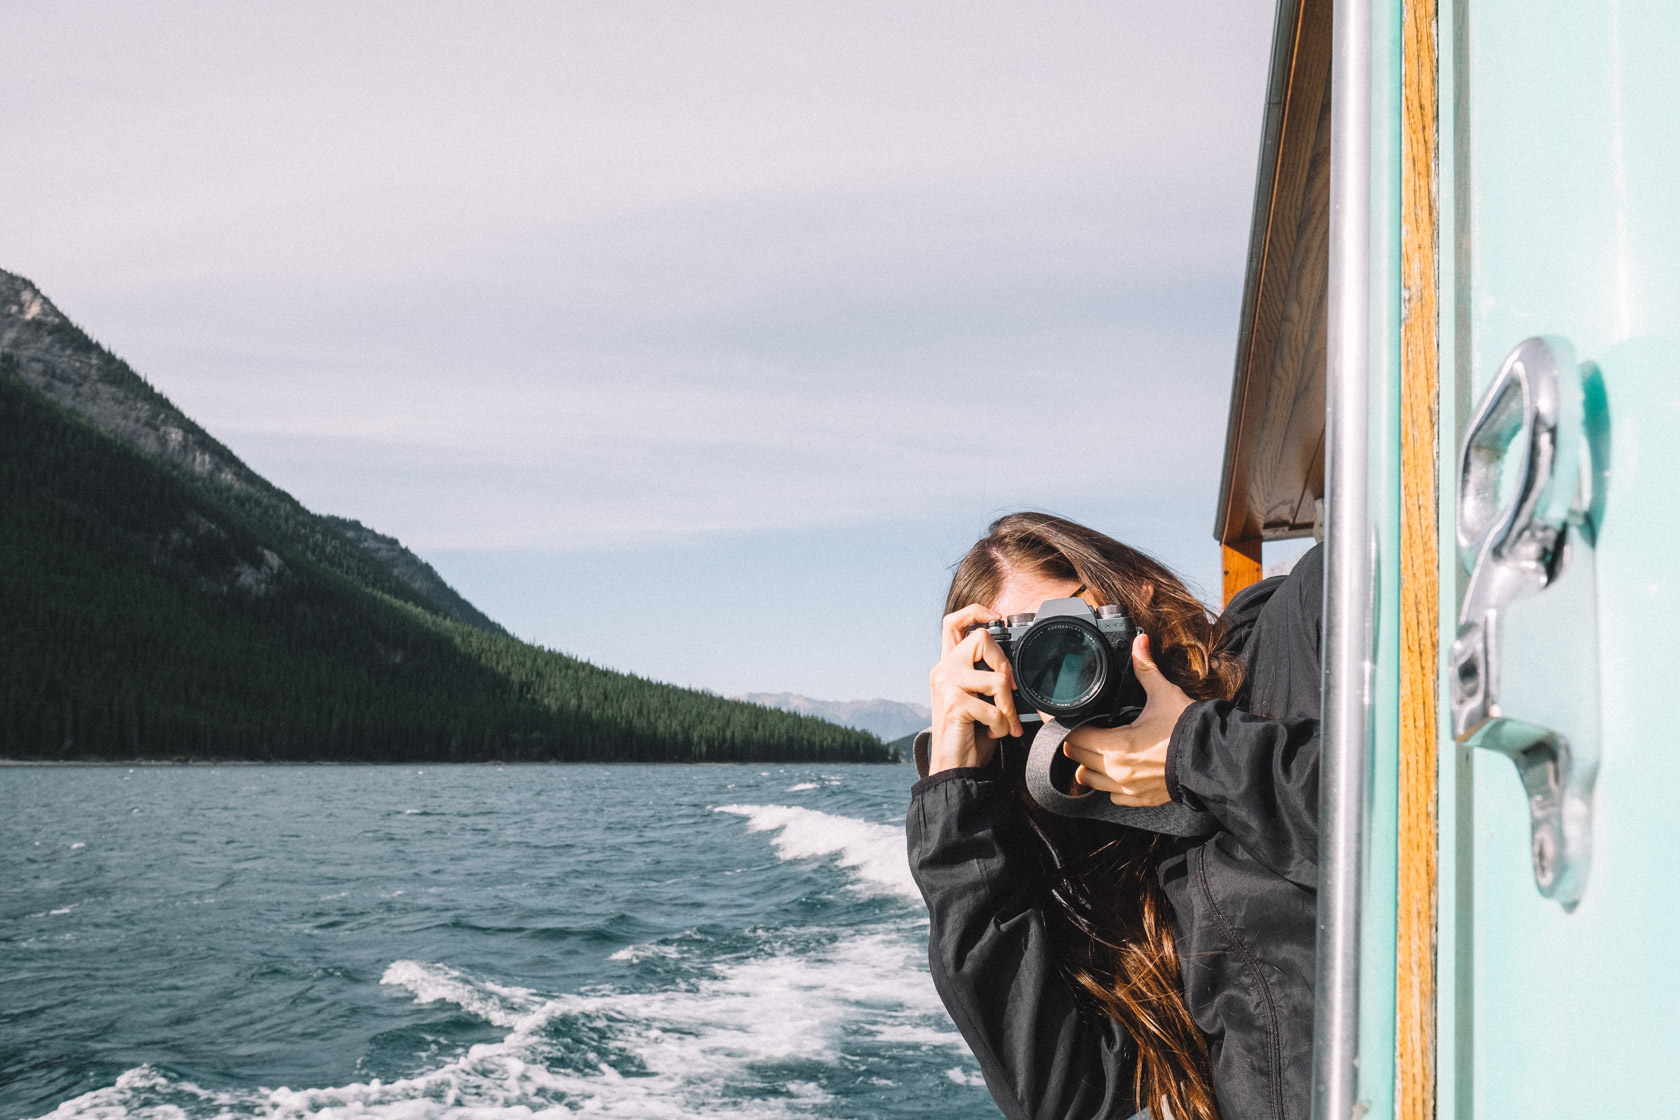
{"points": [[597, 277]]}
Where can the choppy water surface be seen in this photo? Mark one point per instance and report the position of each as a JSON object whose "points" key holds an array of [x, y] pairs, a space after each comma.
{"points": [[649, 941]]}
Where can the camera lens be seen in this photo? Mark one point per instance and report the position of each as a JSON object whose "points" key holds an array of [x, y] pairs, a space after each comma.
{"points": [[1060, 667]]}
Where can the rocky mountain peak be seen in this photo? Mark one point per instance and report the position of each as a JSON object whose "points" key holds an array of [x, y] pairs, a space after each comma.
{"points": [[53, 356], [49, 353]]}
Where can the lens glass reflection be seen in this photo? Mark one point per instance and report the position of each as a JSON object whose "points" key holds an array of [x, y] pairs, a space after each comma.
{"points": [[1059, 666]]}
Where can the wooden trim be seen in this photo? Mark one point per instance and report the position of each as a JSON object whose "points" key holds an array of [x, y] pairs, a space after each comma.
{"points": [[1241, 564], [1414, 987], [1283, 291]]}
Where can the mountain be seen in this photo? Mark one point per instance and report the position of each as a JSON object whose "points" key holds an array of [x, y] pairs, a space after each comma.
{"points": [[420, 576], [904, 748], [888, 719], [52, 356], [158, 599]]}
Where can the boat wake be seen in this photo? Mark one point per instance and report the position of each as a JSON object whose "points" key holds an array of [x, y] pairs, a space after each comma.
{"points": [[781, 1030], [873, 853]]}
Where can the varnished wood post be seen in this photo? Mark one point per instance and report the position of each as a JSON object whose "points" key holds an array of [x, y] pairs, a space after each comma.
{"points": [[1241, 564], [1414, 1034]]}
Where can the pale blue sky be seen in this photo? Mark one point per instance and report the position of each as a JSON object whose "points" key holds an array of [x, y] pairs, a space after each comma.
{"points": [[698, 340]]}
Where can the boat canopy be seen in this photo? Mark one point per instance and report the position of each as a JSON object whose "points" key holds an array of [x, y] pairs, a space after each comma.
{"points": [[1272, 484]]}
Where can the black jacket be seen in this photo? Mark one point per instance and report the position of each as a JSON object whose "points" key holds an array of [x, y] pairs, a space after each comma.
{"points": [[1243, 899]]}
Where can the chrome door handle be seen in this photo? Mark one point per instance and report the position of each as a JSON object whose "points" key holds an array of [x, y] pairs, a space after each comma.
{"points": [[1524, 670]]}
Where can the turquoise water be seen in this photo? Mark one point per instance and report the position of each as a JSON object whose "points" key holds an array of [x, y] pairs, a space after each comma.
{"points": [[648, 941]]}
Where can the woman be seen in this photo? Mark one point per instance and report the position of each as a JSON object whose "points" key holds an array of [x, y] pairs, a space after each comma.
{"points": [[1095, 969]]}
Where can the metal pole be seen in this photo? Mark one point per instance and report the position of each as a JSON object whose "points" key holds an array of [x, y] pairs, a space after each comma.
{"points": [[1349, 574]]}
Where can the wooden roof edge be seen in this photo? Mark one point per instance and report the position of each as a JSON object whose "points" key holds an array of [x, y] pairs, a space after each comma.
{"points": [[1285, 32], [1286, 533]]}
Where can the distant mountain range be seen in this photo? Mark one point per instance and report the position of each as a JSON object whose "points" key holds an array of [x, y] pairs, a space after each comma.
{"points": [[158, 598], [888, 719]]}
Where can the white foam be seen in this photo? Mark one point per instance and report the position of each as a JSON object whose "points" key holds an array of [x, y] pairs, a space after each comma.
{"points": [[519, 1009], [691, 1049], [875, 853], [801, 787], [56, 913], [713, 1046], [637, 953]]}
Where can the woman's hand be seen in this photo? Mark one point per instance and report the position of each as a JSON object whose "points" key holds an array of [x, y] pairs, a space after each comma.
{"points": [[1130, 763], [955, 687]]}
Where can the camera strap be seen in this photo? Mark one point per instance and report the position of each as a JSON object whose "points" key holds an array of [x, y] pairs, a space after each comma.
{"points": [[1174, 818]]}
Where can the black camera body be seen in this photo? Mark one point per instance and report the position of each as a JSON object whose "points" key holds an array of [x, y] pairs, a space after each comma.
{"points": [[1072, 663]]}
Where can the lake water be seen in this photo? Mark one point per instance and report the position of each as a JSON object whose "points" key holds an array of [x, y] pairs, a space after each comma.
{"points": [[647, 941]]}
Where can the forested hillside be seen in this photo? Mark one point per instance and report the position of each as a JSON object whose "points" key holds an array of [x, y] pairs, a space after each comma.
{"points": [[51, 354], [149, 609], [419, 575]]}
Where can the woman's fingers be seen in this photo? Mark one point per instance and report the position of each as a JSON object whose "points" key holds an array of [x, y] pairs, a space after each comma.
{"points": [[1143, 661], [1107, 753], [979, 648], [959, 691], [1095, 779], [1113, 761], [1155, 683], [957, 688], [999, 725], [999, 686], [960, 657], [1079, 752], [1109, 775], [980, 681], [1135, 796], [986, 649], [957, 623]]}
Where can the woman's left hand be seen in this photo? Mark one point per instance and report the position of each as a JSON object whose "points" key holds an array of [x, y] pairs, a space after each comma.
{"points": [[1130, 763]]}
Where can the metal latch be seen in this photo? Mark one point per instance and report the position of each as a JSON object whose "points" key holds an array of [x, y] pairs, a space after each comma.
{"points": [[1524, 670]]}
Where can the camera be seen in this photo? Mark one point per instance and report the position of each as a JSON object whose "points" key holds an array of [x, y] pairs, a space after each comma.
{"points": [[1072, 663]]}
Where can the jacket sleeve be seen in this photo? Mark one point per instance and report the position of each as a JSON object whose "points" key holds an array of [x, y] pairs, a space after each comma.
{"points": [[992, 962], [1258, 776]]}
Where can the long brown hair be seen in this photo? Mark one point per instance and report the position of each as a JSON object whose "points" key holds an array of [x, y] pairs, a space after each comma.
{"points": [[1107, 915]]}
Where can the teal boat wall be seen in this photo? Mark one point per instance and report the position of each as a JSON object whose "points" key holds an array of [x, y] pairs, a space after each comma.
{"points": [[1379, 887], [1561, 217], [1454, 906]]}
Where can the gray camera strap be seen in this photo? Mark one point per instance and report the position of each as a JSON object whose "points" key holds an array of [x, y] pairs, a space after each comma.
{"points": [[1174, 818]]}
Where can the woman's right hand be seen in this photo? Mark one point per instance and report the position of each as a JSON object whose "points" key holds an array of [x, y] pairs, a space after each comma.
{"points": [[956, 687]]}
